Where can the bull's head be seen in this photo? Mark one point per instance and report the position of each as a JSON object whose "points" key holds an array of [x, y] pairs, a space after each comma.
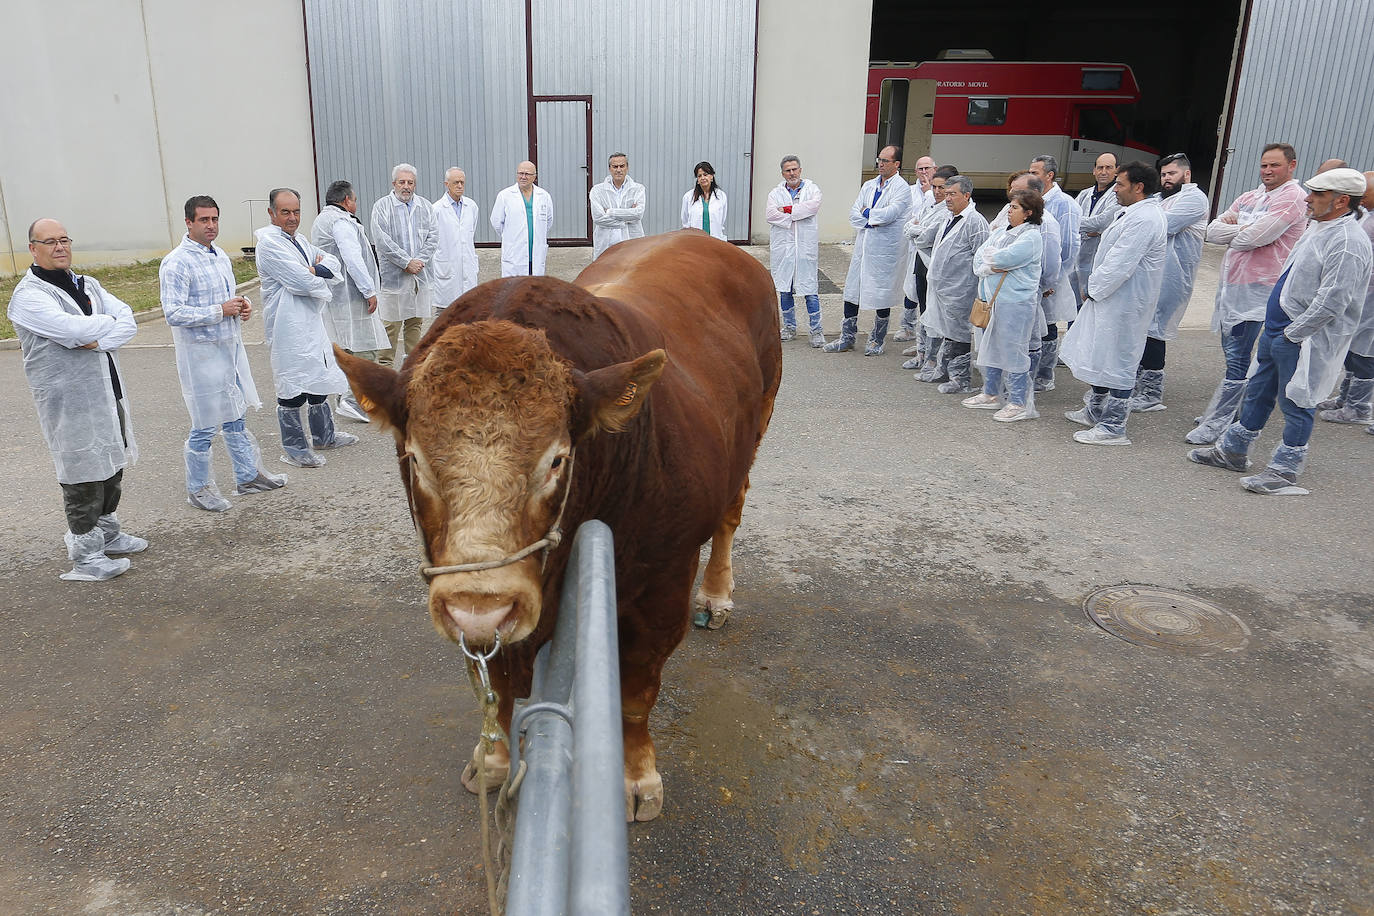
{"points": [[485, 419]]}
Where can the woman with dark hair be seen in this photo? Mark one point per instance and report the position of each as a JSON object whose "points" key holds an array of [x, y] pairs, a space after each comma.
{"points": [[1008, 267], [704, 206]]}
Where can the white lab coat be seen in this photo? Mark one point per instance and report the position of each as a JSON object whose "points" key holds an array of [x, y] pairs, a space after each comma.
{"points": [[1328, 278], [293, 305], [339, 233], [1065, 210], [1268, 225], [794, 238], [455, 257], [878, 265], [691, 212], [951, 285], [1092, 218], [1060, 305], [1105, 343], [403, 233], [1186, 214], [617, 213], [71, 386], [1005, 343], [216, 379], [914, 230], [508, 218], [1362, 344]]}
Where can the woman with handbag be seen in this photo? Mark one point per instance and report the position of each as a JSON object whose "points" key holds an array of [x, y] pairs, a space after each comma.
{"points": [[1008, 268]]}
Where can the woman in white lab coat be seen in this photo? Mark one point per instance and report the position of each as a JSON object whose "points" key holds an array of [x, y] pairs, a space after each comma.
{"points": [[704, 207]]}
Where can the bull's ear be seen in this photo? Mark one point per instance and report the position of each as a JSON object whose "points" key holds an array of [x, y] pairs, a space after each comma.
{"points": [[377, 388], [609, 398]]}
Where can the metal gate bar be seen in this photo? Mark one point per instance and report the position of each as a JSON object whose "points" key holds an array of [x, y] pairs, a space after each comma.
{"points": [[570, 853]]}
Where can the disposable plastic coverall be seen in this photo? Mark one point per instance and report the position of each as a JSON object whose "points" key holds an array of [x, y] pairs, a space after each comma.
{"points": [[1268, 224], [794, 238], [1362, 344], [1328, 279], [71, 385], [508, 218], [403, 233], [1186, 214], [1065, 210], [1060, 305], [951, 285], [1104, 345], [293, 305], [876, 268], [216, 380], [913, 230], [454, 266], [617, 213], [1093, 219], [340, 234], [720, 208], [1019, 251]]}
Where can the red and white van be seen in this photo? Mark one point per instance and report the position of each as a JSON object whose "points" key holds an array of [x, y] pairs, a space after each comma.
{"points": [[989, 117]]}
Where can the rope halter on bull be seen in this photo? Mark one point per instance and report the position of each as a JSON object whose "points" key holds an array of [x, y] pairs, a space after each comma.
{"points": [[476, 661]]}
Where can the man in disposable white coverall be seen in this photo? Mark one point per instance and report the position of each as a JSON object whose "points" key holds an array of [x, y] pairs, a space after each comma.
{"points": [[1353, 403], [913, 291], [617, 206], [1185, 209], [952, 286], [1097, 208], [403, 230], [1259, 231], [794, 248], [351, 318], [877, 267], [70, 329], [196, 287], [1309, 321], [523, 214], [295, 293], [916, 289], [1104, 345], [455, 258], [1064, 209]]}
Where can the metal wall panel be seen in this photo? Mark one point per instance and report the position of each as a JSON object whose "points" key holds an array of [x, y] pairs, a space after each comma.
{"points": [[442, 82], [429, 82], [1304, 80]]}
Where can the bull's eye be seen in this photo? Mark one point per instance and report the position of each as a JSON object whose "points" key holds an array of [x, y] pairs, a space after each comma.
{"points": [[556, 463]]}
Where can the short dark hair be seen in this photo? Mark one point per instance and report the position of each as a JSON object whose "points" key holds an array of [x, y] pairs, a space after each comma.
{"points": [[946, 172], [1032, 203], [1138, 172], [195, 203], [1181, 158], [338, 192], [1286, 148], [896, 151], [272, 195]]}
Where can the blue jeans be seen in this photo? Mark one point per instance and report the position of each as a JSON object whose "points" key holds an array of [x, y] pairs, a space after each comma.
{"points": [[1236, 347], [1278, 358], [789, 304], [200, 439], [1018, 384]]}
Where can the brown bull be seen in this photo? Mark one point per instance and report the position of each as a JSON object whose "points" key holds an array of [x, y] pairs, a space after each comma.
{"points": [[639, 394]]}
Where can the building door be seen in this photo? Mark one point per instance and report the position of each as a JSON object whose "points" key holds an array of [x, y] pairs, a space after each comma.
{"points": [[562, 151], [920, 121]]}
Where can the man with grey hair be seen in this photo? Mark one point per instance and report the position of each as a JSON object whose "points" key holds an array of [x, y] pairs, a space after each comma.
{"points": [[455, 257], [405, 235], [617, 206], [952, 285], [794, 248]]}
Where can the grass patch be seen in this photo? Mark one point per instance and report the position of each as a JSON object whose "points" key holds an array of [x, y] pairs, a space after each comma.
{"points": [[136, 284]]}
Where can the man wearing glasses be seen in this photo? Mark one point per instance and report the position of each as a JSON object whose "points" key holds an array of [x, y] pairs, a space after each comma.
{"points": [[70, 329], [877, 269], [523, 214]]}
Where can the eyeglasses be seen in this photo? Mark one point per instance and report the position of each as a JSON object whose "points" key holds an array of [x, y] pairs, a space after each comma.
{"points": [[525, 174], [1171, 158], [52, 243], [882, 161]]}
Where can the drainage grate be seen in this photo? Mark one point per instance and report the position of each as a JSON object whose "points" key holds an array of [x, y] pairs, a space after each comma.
{"points": [[1164, 619]]}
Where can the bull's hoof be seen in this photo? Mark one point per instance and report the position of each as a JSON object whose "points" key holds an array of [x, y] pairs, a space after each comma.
{"points": [[496, 764], [643, 797], [711, 612]]}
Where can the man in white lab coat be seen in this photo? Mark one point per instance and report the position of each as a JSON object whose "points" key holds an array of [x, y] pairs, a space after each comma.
{"points": [[523, 214], [403, 231], [617, 206], [794, 248], [455, 258]]}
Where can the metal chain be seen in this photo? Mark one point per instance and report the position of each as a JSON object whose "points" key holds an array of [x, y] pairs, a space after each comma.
{"points": [[480, 679]]}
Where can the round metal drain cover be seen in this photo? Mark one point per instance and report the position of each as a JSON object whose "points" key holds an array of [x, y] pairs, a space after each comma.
{"points": [[1164, 619]]}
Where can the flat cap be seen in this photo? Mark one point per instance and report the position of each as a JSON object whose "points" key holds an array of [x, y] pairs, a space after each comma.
{"points": [[1342, 181]]}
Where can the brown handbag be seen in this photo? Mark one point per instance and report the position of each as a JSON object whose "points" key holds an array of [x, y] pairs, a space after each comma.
{"points": [[982, 311]]}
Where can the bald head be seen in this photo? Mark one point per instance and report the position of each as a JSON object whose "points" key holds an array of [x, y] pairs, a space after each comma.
{"points": [[1330, 164], [1368, 200], [49, 253], [525, 174]]}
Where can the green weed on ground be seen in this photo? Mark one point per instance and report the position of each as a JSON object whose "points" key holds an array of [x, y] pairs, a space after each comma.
{"points": [[136, 284]]}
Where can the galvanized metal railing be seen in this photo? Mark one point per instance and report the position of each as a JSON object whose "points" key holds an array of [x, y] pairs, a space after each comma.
{"points": [[570, 851]]}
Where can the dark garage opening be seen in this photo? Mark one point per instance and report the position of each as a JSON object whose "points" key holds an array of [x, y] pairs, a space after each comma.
{"points": [[1181, 55]]}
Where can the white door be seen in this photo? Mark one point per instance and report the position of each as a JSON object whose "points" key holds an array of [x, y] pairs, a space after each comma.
{"points": [[564, 161]]}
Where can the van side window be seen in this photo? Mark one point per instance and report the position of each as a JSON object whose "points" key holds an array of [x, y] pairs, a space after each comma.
{"points": [[1099, 124], [987, 112], [1108, 80]]}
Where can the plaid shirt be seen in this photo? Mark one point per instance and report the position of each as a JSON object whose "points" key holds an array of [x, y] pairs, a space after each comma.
{"points": [[195, 283]]}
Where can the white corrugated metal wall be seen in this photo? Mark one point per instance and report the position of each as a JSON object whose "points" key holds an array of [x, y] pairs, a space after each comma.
{"points": [[438, 83], [1305, 79]]}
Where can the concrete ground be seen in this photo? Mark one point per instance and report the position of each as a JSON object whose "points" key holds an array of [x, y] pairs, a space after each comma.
{"points": [[908, 713]]}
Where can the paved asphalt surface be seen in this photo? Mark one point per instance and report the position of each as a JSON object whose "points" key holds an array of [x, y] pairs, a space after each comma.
{"points": [[908, 712]]}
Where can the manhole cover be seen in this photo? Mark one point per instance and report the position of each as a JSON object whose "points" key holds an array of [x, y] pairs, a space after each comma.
{"points": [[1164, 619]]}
